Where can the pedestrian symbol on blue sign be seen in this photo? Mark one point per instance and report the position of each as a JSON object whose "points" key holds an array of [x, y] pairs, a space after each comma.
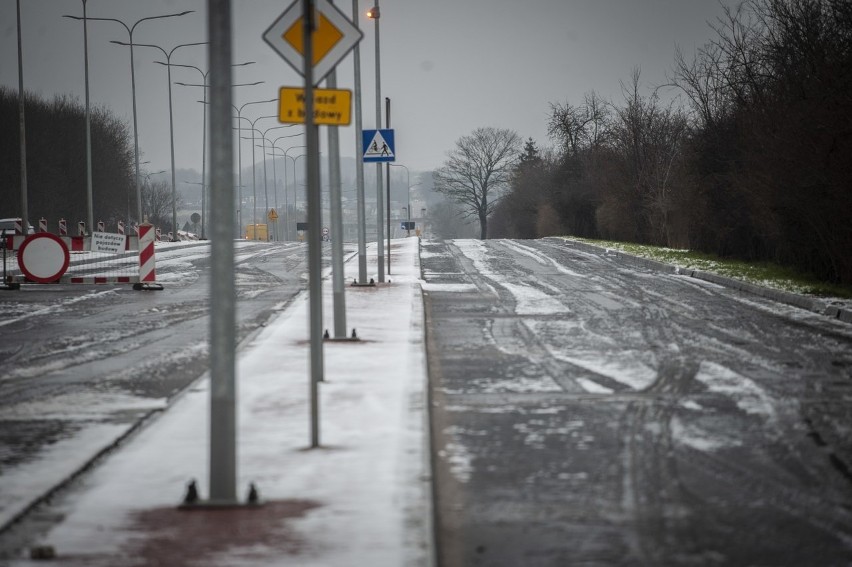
{"points": [[377, 146]]}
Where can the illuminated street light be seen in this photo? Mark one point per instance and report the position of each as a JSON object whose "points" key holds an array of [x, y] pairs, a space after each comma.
{"points": [[374, 15]]}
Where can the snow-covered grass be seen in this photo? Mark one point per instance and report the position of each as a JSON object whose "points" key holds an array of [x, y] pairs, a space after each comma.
{"points": [[760, 273]]}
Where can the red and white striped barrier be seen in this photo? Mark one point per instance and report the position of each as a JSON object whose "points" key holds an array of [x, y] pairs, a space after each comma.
{"points": [[63, 227], [147, 270], [42, 224], [101, 226], [81, 228], [40, 258], [120, 227]]}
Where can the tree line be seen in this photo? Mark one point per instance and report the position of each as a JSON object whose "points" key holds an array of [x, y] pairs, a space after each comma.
{"points": [[56, 165], [752, 161]]}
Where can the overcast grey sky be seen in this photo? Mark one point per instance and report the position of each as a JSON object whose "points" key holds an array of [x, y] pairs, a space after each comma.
{"points": [[449, 66]]}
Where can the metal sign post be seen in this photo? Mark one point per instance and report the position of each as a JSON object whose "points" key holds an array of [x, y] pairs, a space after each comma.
{"points": [[223, 413], [359, 171], [336, 205], [315, 219], [313, 36]]}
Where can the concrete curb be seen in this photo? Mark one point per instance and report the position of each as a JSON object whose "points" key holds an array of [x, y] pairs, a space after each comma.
{"points": [[834, 310]]}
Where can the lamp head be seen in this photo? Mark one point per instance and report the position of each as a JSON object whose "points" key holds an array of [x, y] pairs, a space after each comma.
{"points": [[373, 13]]}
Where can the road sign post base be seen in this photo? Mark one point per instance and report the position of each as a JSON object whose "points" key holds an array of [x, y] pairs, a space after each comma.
{"points": [[148, 287]]}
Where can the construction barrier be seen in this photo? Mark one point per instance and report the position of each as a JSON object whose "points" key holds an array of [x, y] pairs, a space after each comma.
{"points": [[100, 258]]}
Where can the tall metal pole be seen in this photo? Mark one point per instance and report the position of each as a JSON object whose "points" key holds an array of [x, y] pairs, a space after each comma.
{"points": [[168, 56], [408, 184], [240, 159], [139, 218], [130, 30], [205, 85], [253, 186], [223, 414], [379, 212], [387, 171], [275, 185], [314, 222], [265, 187], [286, 205], [172, 146], [284, 154], [336, 205], [204, 163], [239, 181], [89, 199], [23, 130], [359, 164]]}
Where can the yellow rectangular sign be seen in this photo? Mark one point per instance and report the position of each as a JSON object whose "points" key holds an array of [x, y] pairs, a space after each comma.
{"points": [[332, 107]]}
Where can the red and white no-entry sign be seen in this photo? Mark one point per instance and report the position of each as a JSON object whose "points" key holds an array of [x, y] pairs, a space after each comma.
{"points": [[43, 257]]}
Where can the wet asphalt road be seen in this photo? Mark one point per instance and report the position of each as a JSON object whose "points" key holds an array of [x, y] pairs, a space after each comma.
{"points": [[590, 413], [82, 358]]}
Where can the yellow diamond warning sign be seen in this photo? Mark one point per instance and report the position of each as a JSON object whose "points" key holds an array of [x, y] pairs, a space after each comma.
{"points": [[334, 35], [332, 107], [325, 37]]}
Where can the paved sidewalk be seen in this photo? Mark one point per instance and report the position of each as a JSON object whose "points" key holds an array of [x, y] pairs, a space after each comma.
{"points": [[363, 498]]}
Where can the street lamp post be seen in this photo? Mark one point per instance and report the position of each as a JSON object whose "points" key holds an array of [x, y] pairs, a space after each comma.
{"points": [[359, 166], [263, 139], [253, 174], [284, 154], [89, 200], [204, 129], [374, 14], [22, 130], [168, 56], [130, 30], [240, 155], [296, 191], [408, 183]]}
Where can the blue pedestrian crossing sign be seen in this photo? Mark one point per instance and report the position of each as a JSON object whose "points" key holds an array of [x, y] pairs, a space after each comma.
{"points": [[377, 146]]}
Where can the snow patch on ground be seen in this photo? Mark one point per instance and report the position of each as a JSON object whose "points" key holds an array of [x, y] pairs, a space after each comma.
{"points": [[83, 405], [23, 481], [532, 301], [542, 259], [475, 251], [748, 396], [625, 367], [448, 287], [459, 459], [536, 432], [697, 438], [592, 387]]}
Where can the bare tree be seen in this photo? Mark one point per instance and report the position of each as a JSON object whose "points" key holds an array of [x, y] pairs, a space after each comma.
{"points": [[581, 127], [647, 137], [157, 204], [478, 171]]}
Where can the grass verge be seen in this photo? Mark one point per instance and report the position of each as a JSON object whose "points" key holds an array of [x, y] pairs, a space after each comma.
{"points": [[766, 274]]}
